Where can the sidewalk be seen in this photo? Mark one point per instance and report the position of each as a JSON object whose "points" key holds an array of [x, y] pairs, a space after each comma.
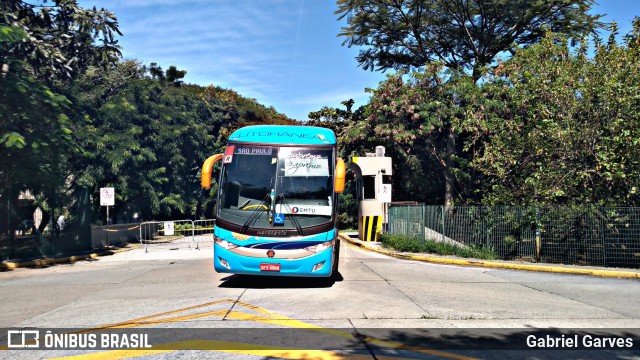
{"points": [[351, 237]]}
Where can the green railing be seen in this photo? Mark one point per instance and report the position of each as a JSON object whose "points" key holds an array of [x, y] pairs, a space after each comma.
{"points": [[595, 236]]}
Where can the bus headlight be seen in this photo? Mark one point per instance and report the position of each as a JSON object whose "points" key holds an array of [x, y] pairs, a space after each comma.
{"points": [[225, 244], [320, 247]]}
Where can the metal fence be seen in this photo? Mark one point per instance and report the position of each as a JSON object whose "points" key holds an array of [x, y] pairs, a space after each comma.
{"points": [[23, 236], [29, 232], [27, 242], [188, 233], [596, 236]]}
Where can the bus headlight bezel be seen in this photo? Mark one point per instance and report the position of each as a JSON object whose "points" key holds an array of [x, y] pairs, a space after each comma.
{"points": [[318, 248], [224, 243]]}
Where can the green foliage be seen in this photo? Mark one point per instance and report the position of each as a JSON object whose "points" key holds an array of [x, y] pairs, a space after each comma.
{"points": [[461, 34], [11, 34], [352, 141], [421, 118], [147, 135], [13, 139], [34, 130], [42, 47], [412, 244], [348, 125], [56, 41], [183, 227], [549, 126], [415, 117], [348, 209], [564, 128]]}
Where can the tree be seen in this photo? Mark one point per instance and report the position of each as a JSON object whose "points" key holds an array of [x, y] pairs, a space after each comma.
{"points": [[35, 135], [565, 126], [415, 115], [464, 35], [42, 47], [348, 126], [60, 37], [175, 76], [148, 137], [460, 36]]}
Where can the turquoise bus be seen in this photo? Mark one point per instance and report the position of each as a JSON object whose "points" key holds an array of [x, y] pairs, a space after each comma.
{"points": [[277, 201]]}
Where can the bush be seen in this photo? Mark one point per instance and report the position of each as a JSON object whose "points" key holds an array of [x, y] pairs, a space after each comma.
{"points": [[413, 244]]}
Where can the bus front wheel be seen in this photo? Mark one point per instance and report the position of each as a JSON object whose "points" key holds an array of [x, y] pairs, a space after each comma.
{"points": [[336, 258]]}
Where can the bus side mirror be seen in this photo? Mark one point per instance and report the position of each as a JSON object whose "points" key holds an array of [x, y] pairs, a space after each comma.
{"points": [[207, 169], [341, 172]]}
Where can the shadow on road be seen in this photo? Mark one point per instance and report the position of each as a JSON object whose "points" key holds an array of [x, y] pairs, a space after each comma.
{"points": [[278, 282]]}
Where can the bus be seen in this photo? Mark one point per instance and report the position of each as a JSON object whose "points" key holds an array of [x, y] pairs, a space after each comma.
{"points": [[276, 203]]}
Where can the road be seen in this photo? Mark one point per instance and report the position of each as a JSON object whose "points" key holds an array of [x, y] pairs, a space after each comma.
{"points": [[377, 305]]}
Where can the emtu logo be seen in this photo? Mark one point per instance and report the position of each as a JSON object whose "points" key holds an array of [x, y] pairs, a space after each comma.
{"points": [[23, 339], [295, 209]]}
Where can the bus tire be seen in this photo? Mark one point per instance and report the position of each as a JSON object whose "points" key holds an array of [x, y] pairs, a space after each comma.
{"points": [[336, 258]]}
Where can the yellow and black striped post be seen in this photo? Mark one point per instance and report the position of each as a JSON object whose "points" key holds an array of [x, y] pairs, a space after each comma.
{"points": [[372, 225]]}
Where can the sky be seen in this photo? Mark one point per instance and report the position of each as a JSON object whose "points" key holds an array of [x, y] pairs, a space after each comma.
{"points": [[283, 53]]}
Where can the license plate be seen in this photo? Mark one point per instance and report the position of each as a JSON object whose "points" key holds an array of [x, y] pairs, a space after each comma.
{"points": [[270, 267]]}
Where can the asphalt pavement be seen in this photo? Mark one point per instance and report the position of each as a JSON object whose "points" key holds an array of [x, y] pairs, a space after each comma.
{"points": [[352, 238]]}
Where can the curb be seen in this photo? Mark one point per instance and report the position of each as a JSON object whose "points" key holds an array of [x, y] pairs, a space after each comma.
{"points": [[10, 265], [497, 265]]}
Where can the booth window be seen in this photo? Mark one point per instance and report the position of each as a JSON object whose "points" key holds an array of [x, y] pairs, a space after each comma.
{"points": [[369, 184]]}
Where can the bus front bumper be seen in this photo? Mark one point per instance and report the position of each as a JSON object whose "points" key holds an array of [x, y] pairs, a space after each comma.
{"points": [[314, 265]]}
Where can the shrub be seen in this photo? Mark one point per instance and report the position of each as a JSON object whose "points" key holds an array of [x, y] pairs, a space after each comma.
{"points": [[413, 244]]}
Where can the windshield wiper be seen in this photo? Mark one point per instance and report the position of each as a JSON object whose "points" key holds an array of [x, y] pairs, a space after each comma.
{"points": [[255, 214]]}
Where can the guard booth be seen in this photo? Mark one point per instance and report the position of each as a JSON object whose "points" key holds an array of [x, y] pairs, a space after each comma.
{"points": [[373, 183]]}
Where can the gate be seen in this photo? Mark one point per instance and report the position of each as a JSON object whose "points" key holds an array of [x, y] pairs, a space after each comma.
{"points": [[407, 220]]}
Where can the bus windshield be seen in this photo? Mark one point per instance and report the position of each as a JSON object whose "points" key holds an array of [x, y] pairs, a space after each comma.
{"points": [[276, 187]]}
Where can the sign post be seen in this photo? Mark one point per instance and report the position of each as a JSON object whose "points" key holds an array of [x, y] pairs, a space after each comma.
{"points": [[107, 198]]}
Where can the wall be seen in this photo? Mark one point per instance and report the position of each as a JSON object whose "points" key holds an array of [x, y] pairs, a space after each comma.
{"points": [[102, 236]]}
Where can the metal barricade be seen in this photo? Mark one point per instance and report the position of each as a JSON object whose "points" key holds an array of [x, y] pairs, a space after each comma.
{"points": [[171, 233], [176, 232], [203, 231]]}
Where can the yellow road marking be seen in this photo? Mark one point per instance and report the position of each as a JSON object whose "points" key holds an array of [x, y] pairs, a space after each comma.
{"points": [[168, 320], [292, 323], [267, 317], [141, 321], [229, 347]]}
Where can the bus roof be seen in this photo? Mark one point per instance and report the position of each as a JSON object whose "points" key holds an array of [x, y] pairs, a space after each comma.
{"points": [[284, 135]]}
